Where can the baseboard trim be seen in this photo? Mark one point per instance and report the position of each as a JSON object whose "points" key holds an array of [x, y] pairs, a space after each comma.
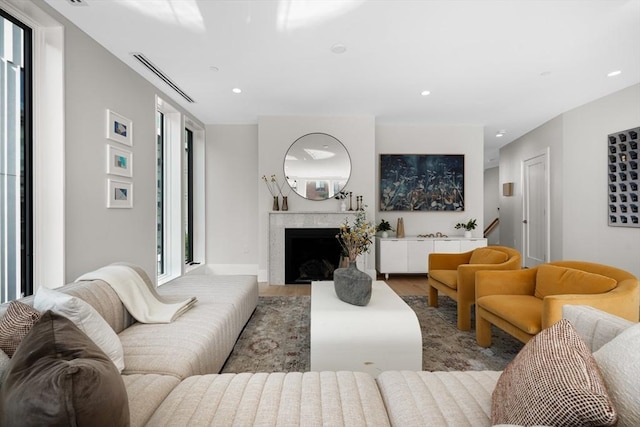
{"points": [[231, 269]]}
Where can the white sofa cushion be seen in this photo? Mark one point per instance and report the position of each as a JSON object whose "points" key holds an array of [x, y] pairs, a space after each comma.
{"points": [[276, 399], [145, 393], [595, 327], [619, 361], [199, 341], [438, 398]]}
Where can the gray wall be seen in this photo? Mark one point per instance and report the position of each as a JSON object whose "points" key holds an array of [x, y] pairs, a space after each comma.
{"points": [[95, 235], [577, 142], [492, 194], [548, 136], [416, 139], [586, 233], [232, 198], [275, 136], [238, 202], [96, 81]]}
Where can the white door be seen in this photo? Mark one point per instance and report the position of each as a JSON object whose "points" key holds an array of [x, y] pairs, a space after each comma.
{"points": [[535, 230]]}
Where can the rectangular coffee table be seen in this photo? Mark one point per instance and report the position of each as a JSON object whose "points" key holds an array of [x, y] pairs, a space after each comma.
{"points": [[384, 335]]}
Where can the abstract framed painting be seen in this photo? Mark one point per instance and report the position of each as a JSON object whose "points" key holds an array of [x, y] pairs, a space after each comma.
{"points": [[119, 128], [119, 162], [421, 182], [119, 194]]}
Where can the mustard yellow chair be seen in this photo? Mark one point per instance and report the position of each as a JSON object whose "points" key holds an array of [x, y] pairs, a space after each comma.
{"points": [[454, 275], [524, 302]]}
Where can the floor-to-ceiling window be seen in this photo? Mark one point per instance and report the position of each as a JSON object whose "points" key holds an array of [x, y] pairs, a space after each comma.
{"points": [[188, 196], [180, 189], [160, 189], [16, 263]]}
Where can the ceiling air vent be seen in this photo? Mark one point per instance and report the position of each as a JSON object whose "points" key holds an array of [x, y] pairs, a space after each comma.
{"points": [[155, 70], [77, 2]]}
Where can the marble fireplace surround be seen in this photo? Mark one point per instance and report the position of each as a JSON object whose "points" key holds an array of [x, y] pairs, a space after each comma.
{"points": [[279, 221]]}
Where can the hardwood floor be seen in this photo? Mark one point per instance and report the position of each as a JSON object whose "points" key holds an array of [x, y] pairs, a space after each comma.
{"points": [[403, 284]]}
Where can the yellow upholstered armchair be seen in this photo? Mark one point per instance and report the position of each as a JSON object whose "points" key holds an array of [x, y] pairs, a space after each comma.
{"points": [[454, 275], [524, 302]]}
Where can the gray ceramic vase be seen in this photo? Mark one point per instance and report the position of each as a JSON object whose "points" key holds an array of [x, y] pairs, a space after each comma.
{"points": [[352, 285]]}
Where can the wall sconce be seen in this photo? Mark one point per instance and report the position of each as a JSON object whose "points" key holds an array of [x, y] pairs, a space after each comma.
{"points": [[507, 189]]}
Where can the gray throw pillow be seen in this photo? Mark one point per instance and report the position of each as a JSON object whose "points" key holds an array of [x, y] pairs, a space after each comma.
{"points": [[59, 376]]}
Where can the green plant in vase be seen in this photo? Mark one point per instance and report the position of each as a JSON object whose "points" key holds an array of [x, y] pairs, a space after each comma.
{"points": [[467, 226], [384, 227]]}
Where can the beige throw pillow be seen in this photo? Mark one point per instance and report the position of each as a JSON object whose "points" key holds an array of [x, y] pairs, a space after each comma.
{"points": [[554, 380]]}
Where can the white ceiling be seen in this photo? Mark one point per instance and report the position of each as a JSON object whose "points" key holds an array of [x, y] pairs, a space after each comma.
{"points": [[505, 65]]}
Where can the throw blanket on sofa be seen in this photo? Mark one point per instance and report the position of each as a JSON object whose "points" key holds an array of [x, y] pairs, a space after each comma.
{"points": [[141, 300]]}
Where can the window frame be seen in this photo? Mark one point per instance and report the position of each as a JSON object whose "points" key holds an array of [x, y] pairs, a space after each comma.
{"points": [[25, 148], [48, 146]]}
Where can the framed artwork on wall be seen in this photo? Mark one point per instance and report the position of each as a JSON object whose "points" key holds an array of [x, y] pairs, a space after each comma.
{"points": [[119, 194], [624, 184], [119, 128], [119, 162], [421, 182]]}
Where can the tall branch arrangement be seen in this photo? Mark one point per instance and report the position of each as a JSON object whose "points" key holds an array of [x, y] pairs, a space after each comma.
{"points": [[275, 187], [271, 184], [355, 239]]}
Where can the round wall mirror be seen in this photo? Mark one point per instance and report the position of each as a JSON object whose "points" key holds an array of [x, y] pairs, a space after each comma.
{"points": [[317, 166]]}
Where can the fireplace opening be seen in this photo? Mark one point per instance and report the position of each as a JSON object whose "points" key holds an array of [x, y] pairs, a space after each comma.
{"points": [[310, 254]]}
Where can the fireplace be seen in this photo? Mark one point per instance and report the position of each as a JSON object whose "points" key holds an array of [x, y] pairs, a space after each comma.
{"points": [[310, 254]]}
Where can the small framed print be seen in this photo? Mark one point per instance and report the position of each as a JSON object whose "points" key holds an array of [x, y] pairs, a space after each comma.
{"points": [[119, 128], [119, 194], [119, 162]]}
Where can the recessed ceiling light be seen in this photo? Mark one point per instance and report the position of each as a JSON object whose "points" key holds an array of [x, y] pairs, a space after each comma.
{"points": [[501, 133], [425, 93], [338, 48], [236, 90], [614, 73]]}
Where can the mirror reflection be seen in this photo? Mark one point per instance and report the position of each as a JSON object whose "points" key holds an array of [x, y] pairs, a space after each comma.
{"points": [[317, 166]]}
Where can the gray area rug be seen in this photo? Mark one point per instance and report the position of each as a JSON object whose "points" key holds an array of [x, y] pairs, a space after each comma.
{"points": [[276, 339]]}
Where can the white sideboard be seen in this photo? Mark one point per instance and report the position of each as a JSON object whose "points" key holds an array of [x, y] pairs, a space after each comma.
{"points": [[411, 254]]}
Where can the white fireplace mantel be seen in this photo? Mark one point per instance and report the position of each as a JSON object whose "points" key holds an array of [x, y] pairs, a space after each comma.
{"points": [[279, 221]]}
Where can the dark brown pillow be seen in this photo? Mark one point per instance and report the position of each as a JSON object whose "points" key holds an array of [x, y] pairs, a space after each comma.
{"points": [[15, 325], [554, 381], [58, 376]]}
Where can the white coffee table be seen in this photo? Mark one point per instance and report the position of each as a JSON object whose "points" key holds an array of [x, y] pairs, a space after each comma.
{"points": [[384, 335]]}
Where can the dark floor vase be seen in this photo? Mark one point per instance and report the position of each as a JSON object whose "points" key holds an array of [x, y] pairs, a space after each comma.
{"points": [[352, 285]]}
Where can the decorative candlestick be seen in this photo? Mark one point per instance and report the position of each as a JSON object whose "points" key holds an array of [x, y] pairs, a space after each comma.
{"points": [[350, 200]]}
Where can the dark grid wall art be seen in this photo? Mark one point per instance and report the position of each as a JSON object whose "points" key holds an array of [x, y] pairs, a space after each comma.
{"points": [[623, 178], [421, 182]]}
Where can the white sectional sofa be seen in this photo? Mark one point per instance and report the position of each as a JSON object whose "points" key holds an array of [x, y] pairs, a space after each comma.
{"points": [[171, 370]]}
